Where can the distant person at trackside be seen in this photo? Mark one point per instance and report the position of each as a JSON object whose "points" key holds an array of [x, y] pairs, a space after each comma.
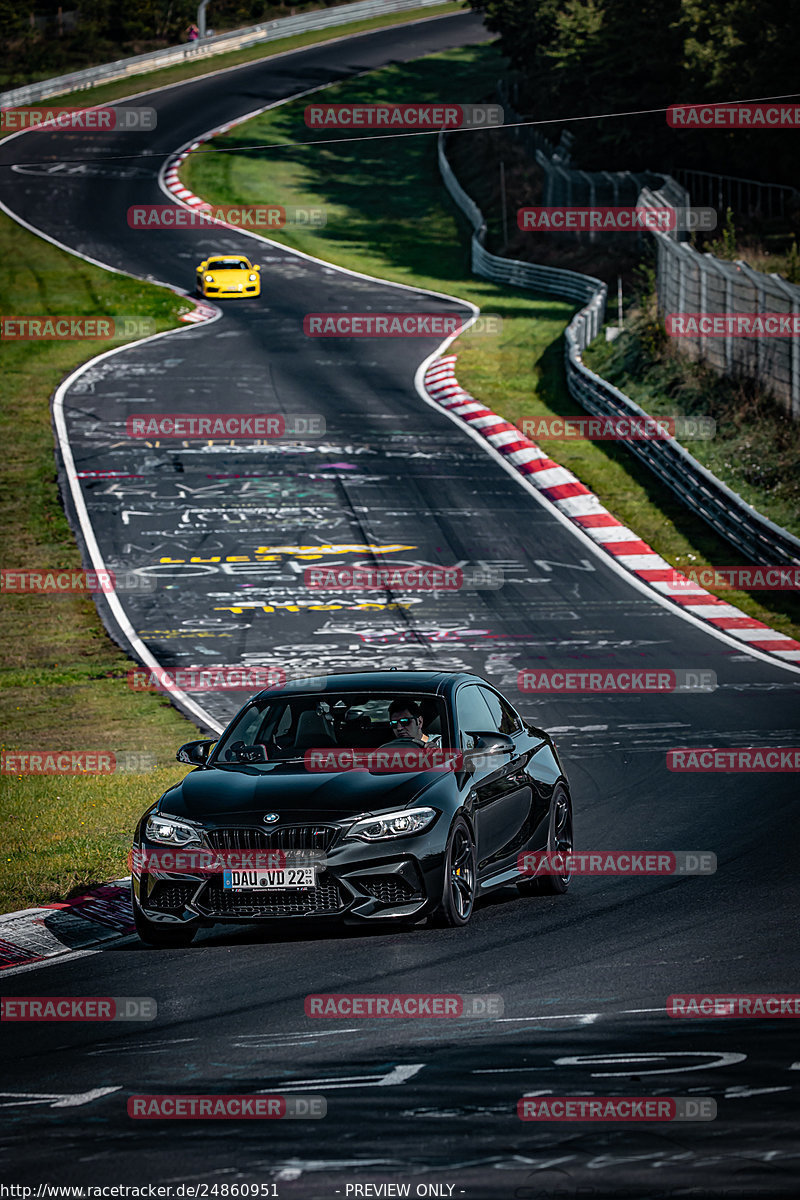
{"points": [[192, 33], [405, 718]]}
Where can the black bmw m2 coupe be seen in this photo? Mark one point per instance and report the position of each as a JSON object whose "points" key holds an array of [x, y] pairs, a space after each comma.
{"points": [[378, 796]]}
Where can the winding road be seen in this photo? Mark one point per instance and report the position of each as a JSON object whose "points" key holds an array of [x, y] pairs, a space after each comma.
{"points": [[585, 977]]}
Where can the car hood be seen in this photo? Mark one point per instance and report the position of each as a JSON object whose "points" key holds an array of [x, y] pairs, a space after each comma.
{"points": [[219, 794], [228, 276]]}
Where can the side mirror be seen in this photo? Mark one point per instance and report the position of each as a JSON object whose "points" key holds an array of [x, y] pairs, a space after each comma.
{"points": [[493, 743], [195, 753], [256, 267], [486, 744]]}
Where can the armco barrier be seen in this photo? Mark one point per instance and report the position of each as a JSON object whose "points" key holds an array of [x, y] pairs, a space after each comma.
{"points": [[686, 279], [751, 533], [239, 39]]}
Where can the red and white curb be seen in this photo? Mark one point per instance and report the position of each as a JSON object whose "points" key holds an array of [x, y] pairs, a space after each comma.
{"points": [[35, 934], [172, 180], [200, 312], [574, 500]]}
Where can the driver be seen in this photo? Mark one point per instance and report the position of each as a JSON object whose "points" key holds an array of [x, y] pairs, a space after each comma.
{"points": [[405, 718]]}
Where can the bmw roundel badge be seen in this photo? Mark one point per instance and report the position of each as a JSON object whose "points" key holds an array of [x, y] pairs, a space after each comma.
{"points": [[271, 818]]}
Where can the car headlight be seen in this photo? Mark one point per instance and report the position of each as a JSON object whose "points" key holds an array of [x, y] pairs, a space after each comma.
{"points": [[209, 278], [168, 831], [391, 825], [252, 278]]}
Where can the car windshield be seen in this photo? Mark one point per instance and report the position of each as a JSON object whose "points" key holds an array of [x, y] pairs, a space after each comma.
{"points": [[228, 264], [288, 727]]}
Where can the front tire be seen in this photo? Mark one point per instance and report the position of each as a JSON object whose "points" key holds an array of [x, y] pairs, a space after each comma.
{"points": [[460, 876], [559, 841], [162, 936]]}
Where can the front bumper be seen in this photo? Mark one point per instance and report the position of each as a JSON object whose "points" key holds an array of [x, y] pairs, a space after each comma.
{"points": [[213, 292], [359, 883]]}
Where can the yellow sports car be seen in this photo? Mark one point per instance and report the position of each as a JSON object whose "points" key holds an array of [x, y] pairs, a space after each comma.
{"points": [[228, 275]]}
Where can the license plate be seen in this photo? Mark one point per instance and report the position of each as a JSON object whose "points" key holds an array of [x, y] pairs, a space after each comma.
{"points": [[269, 881]]}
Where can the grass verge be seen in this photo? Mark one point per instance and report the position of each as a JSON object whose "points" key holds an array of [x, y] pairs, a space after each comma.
{"points": [[62, 681], [388, 215], [756, 447]]}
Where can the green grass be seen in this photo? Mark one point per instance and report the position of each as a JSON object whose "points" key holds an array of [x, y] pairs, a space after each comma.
{"points": [[756, 447], [389, 215], [107, 92], [62, 681]]}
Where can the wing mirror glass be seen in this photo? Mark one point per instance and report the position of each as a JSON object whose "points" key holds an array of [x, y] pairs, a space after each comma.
{"points": [[493, 743], [195, 753], [488, 748]]}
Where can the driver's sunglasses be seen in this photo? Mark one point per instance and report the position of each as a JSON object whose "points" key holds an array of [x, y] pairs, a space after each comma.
{"points": [[402, 720]]}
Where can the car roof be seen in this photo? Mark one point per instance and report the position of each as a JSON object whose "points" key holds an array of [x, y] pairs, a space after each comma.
{"points": [[427, 682]]}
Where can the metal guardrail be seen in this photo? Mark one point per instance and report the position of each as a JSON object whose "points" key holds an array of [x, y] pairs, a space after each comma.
{"points": [[746, 196], [688, 281], [571, 284], [756, 537], [239, 39]]}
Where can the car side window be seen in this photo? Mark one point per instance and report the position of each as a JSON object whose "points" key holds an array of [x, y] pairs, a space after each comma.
{"points": [[504, 719], [472, 714]]}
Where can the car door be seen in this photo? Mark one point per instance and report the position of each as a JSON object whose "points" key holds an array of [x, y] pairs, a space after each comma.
{"points": [[499, 796]]}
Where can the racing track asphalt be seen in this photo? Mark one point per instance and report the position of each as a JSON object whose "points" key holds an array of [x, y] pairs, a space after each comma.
{"points": [[392, 470]]}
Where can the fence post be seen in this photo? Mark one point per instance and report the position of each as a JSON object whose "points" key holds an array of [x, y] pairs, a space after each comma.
{"points": [[792, 293]]}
